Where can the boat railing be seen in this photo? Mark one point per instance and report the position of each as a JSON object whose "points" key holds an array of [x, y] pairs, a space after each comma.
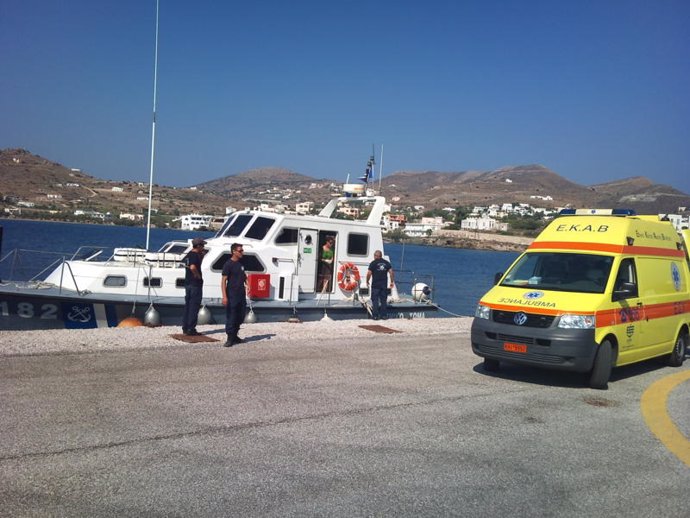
{"points": [[88, 253], [28, 265], [62, 273], [51, 266], [406, 280]]}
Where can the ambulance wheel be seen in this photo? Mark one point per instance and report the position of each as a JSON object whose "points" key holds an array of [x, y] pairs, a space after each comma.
{"points": [[675, 359], [601, 371], [491, 365]]}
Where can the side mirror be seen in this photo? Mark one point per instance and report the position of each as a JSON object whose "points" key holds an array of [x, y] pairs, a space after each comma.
{"points": [[497, 277], [624, 290]]}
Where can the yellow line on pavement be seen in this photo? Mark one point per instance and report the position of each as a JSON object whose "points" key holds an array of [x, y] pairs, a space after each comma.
{"points": [[653, 403]]}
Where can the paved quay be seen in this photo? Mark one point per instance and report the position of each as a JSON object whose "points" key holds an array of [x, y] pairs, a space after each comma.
{"points": [[324, 419]]}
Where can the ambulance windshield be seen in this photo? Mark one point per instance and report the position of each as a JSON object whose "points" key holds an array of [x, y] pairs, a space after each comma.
{"points": [[581, 273]]}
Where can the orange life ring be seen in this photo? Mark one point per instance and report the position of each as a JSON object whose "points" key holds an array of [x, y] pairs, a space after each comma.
{"points": [[348, 277]]}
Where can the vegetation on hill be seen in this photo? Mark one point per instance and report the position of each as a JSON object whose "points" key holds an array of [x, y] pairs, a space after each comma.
{"points": [[56, 192]]}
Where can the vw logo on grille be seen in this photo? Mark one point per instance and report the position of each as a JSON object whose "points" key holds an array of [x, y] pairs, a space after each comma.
{"points": [[520, 319]]}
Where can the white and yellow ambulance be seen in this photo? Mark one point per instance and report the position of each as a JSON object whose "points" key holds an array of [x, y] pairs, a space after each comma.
{"points": [[596, 289]]}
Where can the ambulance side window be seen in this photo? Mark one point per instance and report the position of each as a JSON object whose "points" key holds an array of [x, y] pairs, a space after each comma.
{"points": [[625, 286]]}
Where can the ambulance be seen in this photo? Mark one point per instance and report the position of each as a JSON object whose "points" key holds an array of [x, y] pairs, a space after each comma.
{"points": [[596, 289]]}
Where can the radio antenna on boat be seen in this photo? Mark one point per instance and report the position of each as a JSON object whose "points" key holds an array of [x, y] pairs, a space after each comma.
{"points": [[153, 130], [380, 169]]}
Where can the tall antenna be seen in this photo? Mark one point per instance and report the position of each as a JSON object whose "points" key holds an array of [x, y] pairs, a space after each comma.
{"points": [[153, 131], [380, 169]]}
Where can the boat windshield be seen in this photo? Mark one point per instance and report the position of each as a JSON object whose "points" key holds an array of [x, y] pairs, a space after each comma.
{"points": [[580, 273], [174, 248], [259, 228], [236, 225], [225, 225]]}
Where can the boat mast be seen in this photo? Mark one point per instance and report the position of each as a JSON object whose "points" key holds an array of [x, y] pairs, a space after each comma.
{"points": [[380, 169], [153, 131]]}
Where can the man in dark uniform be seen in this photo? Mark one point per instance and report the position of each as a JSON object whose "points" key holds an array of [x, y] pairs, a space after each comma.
{"points": [[378, 272], [232, 285], [193, 286]]}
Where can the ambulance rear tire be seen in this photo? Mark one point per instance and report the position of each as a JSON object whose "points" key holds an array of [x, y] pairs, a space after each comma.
{"points": [[601, 371], [491, 365], [675, 359]]}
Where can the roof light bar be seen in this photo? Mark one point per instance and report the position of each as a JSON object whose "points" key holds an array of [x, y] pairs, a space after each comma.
{"points": [[596, 212]]}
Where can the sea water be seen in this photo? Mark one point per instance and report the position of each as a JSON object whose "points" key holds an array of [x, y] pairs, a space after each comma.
{"points": [[458, 277]]}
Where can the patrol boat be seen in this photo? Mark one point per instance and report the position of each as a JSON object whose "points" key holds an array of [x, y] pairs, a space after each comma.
{"points": [[286, 279]]}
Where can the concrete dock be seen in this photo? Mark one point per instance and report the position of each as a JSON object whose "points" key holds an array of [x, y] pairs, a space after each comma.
{"points": [[330, 419]]}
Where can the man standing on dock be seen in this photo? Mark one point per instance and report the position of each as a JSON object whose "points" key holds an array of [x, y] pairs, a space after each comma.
{"points": [[193, 286], [378, 272], [234, 292]]}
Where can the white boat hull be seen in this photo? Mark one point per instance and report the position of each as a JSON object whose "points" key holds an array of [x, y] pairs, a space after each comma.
{"points": [[34, 306]]}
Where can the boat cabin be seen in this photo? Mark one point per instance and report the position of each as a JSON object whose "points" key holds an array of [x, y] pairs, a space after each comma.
{"points": [[285, 250]]}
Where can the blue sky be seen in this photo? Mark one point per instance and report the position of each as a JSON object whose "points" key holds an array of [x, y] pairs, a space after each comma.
{"points": [[594, 90]]}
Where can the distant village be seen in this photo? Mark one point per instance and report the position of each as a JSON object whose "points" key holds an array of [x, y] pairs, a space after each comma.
{"points": [[413, 221], [410, 221]]}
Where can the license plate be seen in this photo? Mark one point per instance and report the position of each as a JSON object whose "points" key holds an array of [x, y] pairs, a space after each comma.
{"points": [[514, 348]]}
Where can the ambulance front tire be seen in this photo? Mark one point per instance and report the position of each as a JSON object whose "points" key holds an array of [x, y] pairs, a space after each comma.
{"points": [[603, 362], [675, 359], [491, 365]]}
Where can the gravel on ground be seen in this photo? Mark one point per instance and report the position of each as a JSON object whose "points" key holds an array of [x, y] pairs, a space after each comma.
{"points": [[18, 343]]}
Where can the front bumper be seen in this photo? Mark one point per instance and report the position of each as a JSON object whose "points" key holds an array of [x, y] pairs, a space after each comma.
{"points": [[552, 347]]}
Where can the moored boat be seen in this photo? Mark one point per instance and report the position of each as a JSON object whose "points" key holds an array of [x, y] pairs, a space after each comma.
{"points": [[282, 259]]}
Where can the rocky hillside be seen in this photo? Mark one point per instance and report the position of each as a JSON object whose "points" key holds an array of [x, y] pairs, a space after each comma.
{"points": [[53, 187], [269, 184], [529, 184]]}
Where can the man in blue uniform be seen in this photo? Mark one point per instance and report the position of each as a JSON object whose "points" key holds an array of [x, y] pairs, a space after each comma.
{"points": [[193, 286], [232, 285], [378, 272]]}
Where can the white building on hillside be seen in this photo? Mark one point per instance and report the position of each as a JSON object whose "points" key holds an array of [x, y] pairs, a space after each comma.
{"points": [[89, 213], [131, 217], [483, 223], [353, 212], [388, 224], [194, 221], [424, 227], [305, 207]]}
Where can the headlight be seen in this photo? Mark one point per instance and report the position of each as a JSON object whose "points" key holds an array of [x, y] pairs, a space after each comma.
{"points": [[577, 322], [482, 312]]}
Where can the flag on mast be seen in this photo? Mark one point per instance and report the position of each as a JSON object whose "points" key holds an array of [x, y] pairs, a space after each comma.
{"points": [[369, 171]]}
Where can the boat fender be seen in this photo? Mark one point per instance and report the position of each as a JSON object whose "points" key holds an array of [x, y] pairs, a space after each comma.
{"points": [[130, 321], [204, 317], [250, 318], [348, 277], [421, 292], [152, 317]]}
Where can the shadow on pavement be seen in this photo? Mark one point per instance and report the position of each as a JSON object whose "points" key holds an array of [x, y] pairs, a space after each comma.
{"points": [[555, 378]]}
